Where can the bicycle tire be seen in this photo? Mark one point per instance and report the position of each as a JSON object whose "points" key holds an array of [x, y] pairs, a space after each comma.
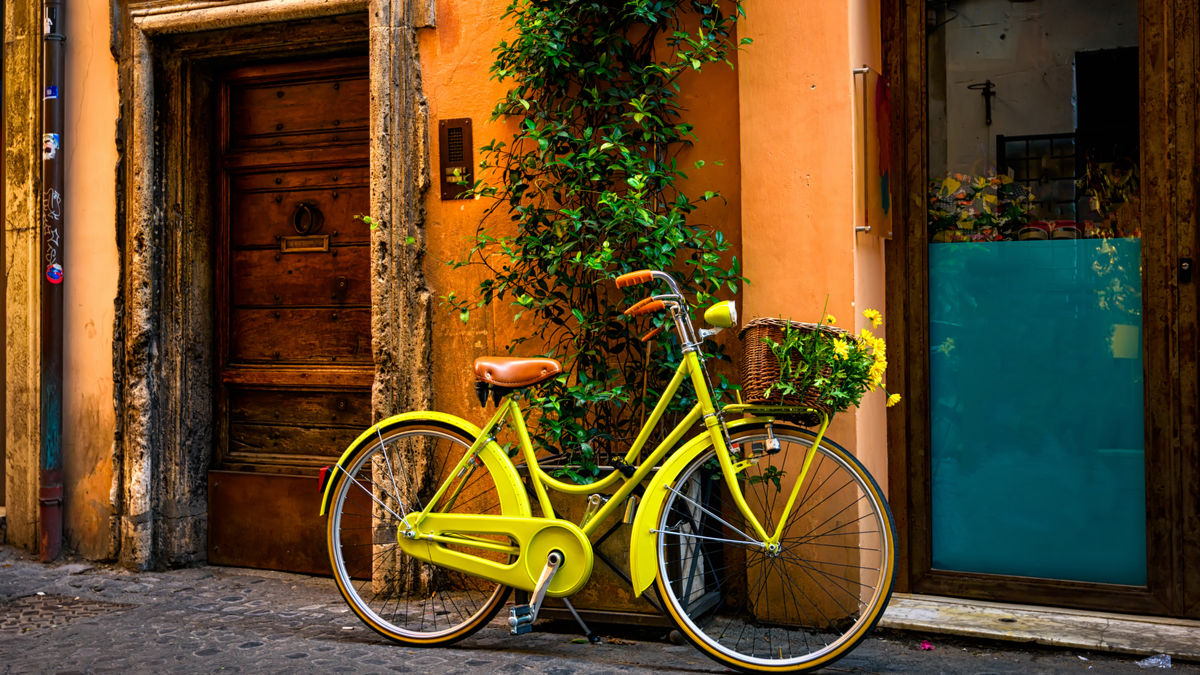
{"points": [[705, 621], [442, 621]]}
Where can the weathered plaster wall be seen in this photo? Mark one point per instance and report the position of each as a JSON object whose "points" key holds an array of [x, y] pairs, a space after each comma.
{"points": [[89, 93], [90, 97], [798, 173], [22, 158]]}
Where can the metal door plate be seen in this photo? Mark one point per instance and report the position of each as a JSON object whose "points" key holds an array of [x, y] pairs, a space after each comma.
{"points": [[310, 244]]}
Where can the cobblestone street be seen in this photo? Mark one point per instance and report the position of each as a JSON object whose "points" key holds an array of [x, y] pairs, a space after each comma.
{"points": [[83, 618]]}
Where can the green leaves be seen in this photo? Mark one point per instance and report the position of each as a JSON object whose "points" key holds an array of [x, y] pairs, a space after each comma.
{"points": [[588, 187], [837, 367], [771, 474]]}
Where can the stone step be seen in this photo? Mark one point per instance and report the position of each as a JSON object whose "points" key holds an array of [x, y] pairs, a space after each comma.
{"points": [[1079, 629]]}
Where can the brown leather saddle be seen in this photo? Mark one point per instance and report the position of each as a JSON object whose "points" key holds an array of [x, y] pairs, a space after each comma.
{"points": [[502, 374]]}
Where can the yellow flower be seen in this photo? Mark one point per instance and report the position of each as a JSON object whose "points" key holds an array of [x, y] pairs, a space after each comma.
{"points": [[874, 317], [830, 319], [893, 400], [841, 348]]}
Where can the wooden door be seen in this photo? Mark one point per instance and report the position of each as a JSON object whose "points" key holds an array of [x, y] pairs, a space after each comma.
{"points": [[293, 304]]}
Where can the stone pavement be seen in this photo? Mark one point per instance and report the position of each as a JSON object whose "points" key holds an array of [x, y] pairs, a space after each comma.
{"points": [[80, 618]]}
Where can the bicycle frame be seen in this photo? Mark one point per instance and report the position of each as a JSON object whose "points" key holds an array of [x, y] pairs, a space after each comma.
{"points": [[690, 368]]}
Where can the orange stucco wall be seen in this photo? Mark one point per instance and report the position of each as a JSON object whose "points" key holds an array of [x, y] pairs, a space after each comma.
{"points": [[866, 49], [800, 181], [798, 166], [90, 277], [455, 58]]}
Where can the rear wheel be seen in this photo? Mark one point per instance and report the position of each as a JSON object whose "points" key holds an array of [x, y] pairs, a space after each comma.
{"points": [[793, 610], [400, 597]]}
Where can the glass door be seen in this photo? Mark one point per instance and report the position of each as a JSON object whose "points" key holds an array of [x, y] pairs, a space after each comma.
{"points": [[1035, 456]]}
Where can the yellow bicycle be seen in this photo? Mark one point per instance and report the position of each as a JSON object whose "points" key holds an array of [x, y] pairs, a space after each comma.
{"points": [[770, 547]]}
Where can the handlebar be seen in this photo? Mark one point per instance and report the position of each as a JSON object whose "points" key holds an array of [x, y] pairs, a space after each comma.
{"points": [[645, 306], [646, 276], [656, 303], [634, 278]]}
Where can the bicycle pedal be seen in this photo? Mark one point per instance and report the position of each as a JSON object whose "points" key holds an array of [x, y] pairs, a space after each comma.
{"points": [[520, 619]]}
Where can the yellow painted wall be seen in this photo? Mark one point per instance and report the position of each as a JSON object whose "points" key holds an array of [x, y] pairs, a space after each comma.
{"points": [[90, 276]]}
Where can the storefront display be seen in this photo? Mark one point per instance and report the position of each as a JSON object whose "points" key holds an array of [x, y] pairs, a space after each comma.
{"points": [[1035, 362], [965, 208]]}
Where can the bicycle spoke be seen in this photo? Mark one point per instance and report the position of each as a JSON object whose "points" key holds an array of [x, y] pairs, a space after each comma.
{"points": [[764, 598], [401, 595], [715, 516]]}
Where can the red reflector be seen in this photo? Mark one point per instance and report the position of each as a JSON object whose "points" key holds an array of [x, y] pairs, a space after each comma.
{"points": [[322, 477]]}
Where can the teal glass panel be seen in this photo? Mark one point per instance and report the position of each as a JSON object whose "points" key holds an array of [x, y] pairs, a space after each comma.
{"points": [[1037, 435]]}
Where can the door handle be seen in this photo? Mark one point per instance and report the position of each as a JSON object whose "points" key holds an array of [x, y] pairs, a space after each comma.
{"points": [[1185, 270]]}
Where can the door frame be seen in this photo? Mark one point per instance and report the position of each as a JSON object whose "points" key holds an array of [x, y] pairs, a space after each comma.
{"points": [[1168, 57], [1186, 206], [163, 347]]}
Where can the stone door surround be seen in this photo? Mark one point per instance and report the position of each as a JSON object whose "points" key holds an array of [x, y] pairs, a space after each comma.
{"points": [[163, 334]]}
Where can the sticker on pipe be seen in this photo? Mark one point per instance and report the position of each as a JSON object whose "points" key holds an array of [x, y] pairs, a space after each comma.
{"points": [[51, 92], [50, 146], [54, 273]]}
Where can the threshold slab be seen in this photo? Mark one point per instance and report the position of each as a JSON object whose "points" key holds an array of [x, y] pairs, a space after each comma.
{"points": [[1077, 629]]}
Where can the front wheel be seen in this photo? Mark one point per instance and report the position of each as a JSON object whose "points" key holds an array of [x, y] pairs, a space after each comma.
{"points": [[793, 610]]}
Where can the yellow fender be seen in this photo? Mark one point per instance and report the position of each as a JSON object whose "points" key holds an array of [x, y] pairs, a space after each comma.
{"points": [[509, 489], [643, 561]]}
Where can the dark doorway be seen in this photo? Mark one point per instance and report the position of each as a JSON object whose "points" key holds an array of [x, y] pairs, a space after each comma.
{"points": [[1107, 96]]}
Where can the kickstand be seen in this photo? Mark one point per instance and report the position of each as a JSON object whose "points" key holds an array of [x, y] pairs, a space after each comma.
{"points": [[592, 637]]}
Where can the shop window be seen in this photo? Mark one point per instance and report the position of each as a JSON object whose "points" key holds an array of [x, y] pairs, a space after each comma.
{"points": [[1035, 290]]}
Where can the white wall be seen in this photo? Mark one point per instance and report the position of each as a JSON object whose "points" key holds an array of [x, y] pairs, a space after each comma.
{"points": [[1027, 50]]}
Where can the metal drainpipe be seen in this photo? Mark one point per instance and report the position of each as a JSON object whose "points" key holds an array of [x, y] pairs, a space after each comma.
{"points": [[50, 492]]}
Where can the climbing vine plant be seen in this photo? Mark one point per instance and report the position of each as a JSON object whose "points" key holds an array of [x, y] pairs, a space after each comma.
{"points": [[590, 185]]}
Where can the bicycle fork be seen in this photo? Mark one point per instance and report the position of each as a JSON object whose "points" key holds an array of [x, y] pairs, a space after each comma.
{"points": [[770, 541]]}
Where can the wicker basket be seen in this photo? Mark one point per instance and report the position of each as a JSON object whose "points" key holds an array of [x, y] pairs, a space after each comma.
{"points": [[760, 368]]}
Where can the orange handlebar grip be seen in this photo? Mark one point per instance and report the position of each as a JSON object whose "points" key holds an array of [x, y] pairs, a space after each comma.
{"points": [[638, 305], [634, 278], [645, 307], [653, 334]]}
